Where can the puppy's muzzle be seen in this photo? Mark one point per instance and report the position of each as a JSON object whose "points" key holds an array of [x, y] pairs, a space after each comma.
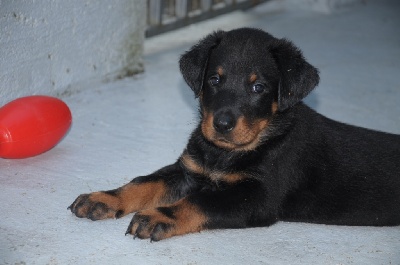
{"points": [[224, 122]]}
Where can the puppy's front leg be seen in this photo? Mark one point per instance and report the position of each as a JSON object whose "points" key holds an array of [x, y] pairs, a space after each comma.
{"points": [[144, 192], [238, 206]]}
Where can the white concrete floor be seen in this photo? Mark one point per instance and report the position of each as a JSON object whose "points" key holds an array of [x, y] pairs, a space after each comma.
{"points": [[134, 126]]}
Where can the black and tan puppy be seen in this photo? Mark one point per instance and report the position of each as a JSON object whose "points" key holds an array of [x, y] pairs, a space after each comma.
{"points": [[258, 155]]}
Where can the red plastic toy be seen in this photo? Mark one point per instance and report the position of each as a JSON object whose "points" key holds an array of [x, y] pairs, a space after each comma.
{"points": [[32, 125]]}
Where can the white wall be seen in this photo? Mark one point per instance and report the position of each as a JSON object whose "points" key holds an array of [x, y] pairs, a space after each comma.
{"points": [[53, 47], [325, 6]]}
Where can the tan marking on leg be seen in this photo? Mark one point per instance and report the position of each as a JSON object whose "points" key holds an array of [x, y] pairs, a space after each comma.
{"points": [[111, 201], [134, 197], [152, 223], [127, 199], [189, 218], [95, 206]]}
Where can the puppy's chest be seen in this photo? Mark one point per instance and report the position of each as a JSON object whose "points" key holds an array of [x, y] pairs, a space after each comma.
{"points": [[215, 168]]}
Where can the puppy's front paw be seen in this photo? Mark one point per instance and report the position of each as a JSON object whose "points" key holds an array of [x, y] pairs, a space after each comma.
{"points": [[151, 224], [96, 206], [165, 222]]}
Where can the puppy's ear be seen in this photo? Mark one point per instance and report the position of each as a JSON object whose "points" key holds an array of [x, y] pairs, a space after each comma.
{"points": [[298, 77], [193, 63]]}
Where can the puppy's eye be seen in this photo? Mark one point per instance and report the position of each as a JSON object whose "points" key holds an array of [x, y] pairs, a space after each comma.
{"points": [[258, 88], [214, 80]]}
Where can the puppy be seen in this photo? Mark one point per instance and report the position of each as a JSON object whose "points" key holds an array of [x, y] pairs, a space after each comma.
{"points": [[258, 154]]}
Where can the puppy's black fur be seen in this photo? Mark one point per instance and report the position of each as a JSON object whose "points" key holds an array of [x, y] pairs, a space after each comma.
{"points": [[258, 155]]}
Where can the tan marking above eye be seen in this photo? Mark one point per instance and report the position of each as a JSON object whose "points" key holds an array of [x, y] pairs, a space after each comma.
{"points": [[253, 77], [220, 70], [274, 107]]}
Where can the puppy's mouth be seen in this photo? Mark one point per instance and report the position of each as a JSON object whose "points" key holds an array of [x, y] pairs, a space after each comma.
{"points": [[245, 136], [231, 145]]}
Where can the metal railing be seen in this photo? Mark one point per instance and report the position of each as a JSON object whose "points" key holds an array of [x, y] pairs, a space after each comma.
{"points": [[166, 15]]}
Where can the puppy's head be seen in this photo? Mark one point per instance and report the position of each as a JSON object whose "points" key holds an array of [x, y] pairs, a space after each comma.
{"points": [[243, 78]]}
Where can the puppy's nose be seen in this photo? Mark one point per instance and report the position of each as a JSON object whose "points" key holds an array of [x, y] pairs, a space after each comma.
{"points": [[224, 122]]}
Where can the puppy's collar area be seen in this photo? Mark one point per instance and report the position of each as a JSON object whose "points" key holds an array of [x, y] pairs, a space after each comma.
{"points": [[193, 166]]}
